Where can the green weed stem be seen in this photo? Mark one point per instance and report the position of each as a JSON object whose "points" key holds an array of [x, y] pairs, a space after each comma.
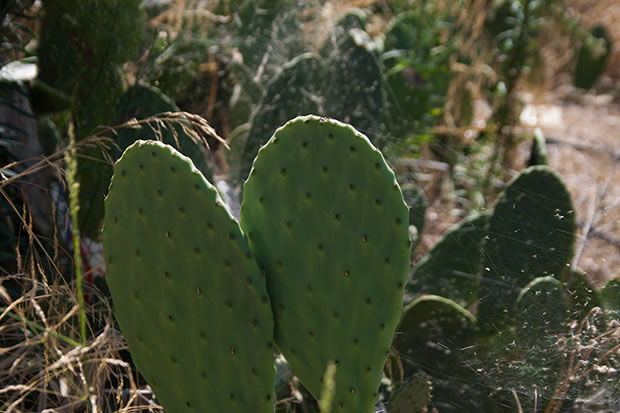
{"points": [[74, 207], [40, 328]]}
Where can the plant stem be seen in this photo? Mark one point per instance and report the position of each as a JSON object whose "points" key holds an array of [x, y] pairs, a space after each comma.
{"points": [[40, 328], [74, 206]]}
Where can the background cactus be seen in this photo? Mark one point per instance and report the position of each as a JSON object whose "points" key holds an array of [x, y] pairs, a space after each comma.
{"points": [[188, 295], [531, 233], [289, 94], [538, 153], [610, 293], [352, 87], [452, 268], [328, 225], [412, 396], [592, 57], [141, 101], [432, 336]]}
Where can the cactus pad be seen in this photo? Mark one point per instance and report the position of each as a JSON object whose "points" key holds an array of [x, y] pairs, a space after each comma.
{"points": [[141, 101], [590, 64], [452, 268], [531, 234], [433, 336], [538, 153], [411, 397], [541, 310], [188, 295], [328, 224], [610, 293]]}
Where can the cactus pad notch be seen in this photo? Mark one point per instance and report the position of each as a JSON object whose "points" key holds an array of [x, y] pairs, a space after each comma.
{"points": [[188, 295], [329, 226]]}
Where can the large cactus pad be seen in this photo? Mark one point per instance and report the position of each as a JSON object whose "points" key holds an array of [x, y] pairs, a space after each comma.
{"points": [[328, 224], [188, 295]]}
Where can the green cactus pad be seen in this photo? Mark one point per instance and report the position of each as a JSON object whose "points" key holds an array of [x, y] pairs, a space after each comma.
{"points": [[188, 295], [412, 396], [141, 101], [328, 224], [353, 90], [431, 328], [591, 65], [433, 336], [538, 153], [541, 311], [354, 18], [583, 297], [452, 268], [531, 234], [610, 293]]}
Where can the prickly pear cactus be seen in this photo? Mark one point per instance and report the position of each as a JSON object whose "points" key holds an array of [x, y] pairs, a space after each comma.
{"points": [[432, 336], [353, 19], [531, 233], [141, 101], [352, 90], [541, 311], [328, 225], [412, 396], [287, 96], [610, 294], [431, 328], [452, 268], [592, 59], [538, 153], [188, 295], [583, 297]]}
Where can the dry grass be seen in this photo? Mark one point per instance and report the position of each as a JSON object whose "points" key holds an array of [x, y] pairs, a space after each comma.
{"points": [[43, 366]]}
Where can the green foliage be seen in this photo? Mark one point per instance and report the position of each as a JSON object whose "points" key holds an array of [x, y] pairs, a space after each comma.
{"points": [[592, 58], [188, 294], [417, 74]]}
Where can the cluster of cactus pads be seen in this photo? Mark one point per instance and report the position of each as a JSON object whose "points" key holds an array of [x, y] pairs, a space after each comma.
{"points": [[318, 266]]}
